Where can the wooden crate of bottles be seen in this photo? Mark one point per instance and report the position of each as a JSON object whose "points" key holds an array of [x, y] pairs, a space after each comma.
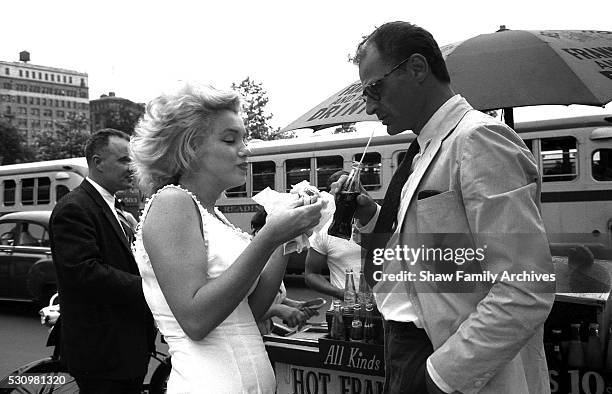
{"points": [[347, 320], [578, 345], [355, 346]]}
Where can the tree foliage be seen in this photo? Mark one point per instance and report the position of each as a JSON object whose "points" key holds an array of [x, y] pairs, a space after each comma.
{"points": [[123, 119], [345, 128], [68, 140], [256, 121], [13, 148]]}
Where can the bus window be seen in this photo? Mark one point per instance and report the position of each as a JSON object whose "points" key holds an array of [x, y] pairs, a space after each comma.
{"points": [[559, 159], [27, 191], [238, 191], [298, 170], [326, 166], [601, 164], [529, 144], [400, 158], [263, 175], [60, 191], [43, 191], [370, 173], [9, 187]]}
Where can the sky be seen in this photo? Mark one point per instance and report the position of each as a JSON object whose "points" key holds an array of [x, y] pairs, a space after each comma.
{"points": [[298, 50]]}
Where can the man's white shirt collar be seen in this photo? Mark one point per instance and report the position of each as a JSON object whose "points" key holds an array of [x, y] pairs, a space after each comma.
{"points": [[436, 122]]}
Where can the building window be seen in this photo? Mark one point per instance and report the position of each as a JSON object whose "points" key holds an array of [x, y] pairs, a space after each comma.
{"points": [[35, 111], [44, 101], [7, 85], [7, 71], [601, 165], [47, 113], [69, 79], [559, 159], [21, 73], [39, 75], [46, 77], [53, 77], [27, 74], [23, 111], [59, 114], [64, 79]]}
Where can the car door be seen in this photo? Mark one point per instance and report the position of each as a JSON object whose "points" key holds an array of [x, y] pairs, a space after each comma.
{"points": [[30, 246], [8, 232]]}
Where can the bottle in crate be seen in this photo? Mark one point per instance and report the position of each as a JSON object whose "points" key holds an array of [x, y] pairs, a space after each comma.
{"points": [[575, 354], [594, 354], [356, 325], [350, 295], [369, 335], [608, 363], [364, 295], [555, 359], [337, 326]]}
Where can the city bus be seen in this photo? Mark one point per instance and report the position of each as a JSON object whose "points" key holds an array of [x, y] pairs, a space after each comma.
{"points": [[574, 157], [39, 186]]}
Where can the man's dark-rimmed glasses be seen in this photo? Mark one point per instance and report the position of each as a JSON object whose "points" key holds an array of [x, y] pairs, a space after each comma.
{"points": [[372, 90]]}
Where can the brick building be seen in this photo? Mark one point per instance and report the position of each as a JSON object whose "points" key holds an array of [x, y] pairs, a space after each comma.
{"points": [[124, 110]]}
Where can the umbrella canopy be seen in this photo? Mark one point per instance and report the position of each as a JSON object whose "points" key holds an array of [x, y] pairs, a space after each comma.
{"points": [[505, 69]]}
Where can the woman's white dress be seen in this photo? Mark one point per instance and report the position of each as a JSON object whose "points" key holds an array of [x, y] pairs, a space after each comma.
{"points": [[232, 358]]}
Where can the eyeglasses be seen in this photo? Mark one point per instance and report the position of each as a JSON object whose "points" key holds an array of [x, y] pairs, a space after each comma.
{"points": [[372, 90]]}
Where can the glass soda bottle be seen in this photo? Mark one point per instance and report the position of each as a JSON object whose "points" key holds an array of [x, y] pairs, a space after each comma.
{"points": [[608, 366], [575, 354], [594, 354], [555, 361], [368, 324], [337, 327], [346, 204], [350, 295], [356, 325], [364, 295]]}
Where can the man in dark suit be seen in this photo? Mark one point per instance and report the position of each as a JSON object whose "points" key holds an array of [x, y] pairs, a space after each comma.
{"points": [[107, 329]]}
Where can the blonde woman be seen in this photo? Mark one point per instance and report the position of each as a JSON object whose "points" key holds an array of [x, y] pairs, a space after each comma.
{"points": [[206, 281]]}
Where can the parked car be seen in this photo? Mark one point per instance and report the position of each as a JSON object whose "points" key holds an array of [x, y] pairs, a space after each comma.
{"points": [[26, 268]]}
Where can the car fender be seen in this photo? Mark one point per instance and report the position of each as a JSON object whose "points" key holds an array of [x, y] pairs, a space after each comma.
{"points": [[42, 280]]}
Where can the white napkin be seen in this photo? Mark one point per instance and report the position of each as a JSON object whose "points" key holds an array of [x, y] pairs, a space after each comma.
{"points": [[271, 200]]}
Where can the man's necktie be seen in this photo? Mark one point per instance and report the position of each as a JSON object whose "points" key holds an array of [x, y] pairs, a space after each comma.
{"points": [[125, 224], [387, 218]]}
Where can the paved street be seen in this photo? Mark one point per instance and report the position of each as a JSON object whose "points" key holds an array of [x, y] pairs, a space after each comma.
{"points": [[22, 338]]}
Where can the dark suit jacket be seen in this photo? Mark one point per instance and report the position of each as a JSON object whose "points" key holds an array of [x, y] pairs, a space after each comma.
{"points": [[107, 329]]}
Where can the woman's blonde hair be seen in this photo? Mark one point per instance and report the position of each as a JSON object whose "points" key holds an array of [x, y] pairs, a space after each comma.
{"points": [[166, 140]]}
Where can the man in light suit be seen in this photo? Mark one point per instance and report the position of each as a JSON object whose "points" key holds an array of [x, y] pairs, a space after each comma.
{"points": [[107, 330], [470, 175]]}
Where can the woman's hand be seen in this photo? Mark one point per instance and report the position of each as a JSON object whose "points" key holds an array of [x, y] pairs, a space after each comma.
{"points": [[292, 316], [288, 222]]}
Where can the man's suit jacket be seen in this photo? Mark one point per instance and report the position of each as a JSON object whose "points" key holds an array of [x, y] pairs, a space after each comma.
{"points": [[107, 329], [477, 178]]}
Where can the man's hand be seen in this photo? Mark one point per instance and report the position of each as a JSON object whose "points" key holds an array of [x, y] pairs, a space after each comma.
{"points": [[366, 207]]}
